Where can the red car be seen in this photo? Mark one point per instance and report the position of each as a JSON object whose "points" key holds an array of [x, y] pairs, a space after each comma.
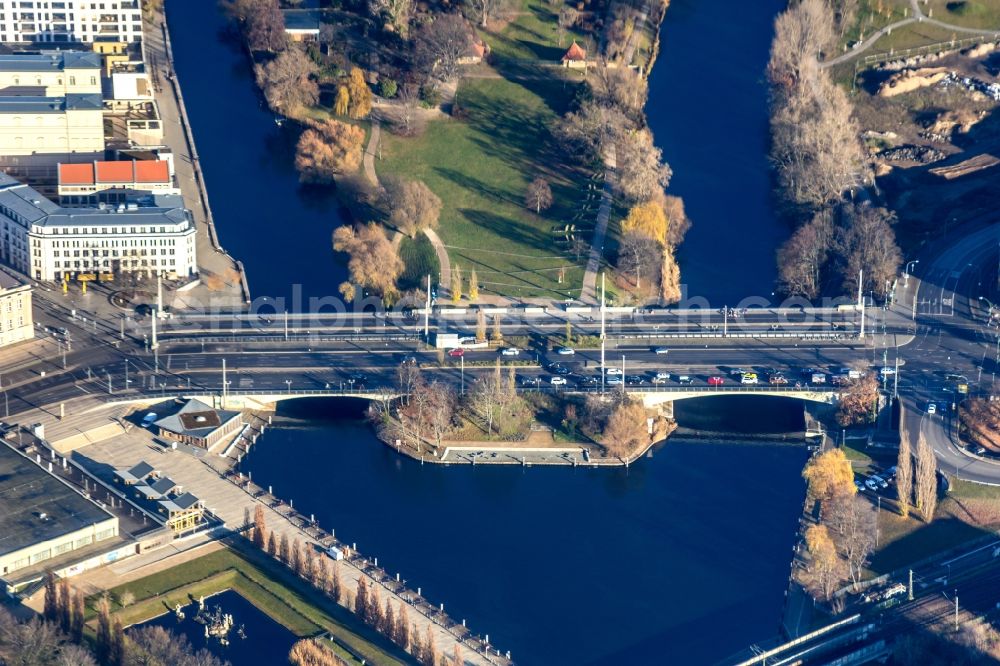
{"points": [[457, 352], [716, 381]]}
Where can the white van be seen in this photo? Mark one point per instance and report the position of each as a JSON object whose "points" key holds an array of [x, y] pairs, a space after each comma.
{"points": [[335, 553]]}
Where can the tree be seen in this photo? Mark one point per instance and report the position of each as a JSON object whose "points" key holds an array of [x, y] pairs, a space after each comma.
{"points": [[539, 195], [568, 16], [670, 278], [396, 11], [263, 23], [259, 528], [285, 550], [117, 657], [483, 11], [430, 648], [639, 255], [823, 566], [76, 620], [312, 652], [360, 94], [104, 641], [336, 588], [480, 325], [626, 429], [474, 290], [456, 284], [904, 473], [342, 102], [440, 43], [328, 149], [592, 130], [374, 263], [800, 35], [642, 174], [829, 475], [858, 401], [64, 605], [855, 519], [866, 240], [51, 606], [361, 599], [288, 81], [75, 655], [272, 545], [621, 88], [496, 334], [296, 557], [410, 205], [152, 646], [926, 479], [802, 257], [648, 219], [402, 637]]}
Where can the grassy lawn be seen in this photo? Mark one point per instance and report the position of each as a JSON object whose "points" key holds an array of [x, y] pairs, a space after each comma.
{"points": [[872, 16], [969, 512], [269, 586], [532, 34], [480, 165], [913, 35], [983, 14]]}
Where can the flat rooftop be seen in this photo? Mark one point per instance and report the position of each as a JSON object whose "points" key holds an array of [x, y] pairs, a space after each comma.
{"points": [[49, 61], [8, 281], [27, 492], [33, 104]]}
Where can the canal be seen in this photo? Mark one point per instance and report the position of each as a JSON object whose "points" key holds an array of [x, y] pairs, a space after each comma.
{"points": [[708, 111]]}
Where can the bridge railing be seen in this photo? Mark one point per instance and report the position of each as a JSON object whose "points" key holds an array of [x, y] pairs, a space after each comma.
{"points": [[292, 338]]}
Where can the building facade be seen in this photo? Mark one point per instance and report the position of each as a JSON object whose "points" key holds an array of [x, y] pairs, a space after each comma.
{"points": [[198, 424], [50, 74], [150, 234], [16, 323], [58, 21], [33, 126]]}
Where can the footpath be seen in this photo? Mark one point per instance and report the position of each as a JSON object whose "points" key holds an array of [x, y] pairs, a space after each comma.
{"points": [[223, 283]]}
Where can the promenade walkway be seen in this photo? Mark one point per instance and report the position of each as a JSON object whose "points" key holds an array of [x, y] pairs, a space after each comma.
{"points": [[226, 288], [228, 501]]}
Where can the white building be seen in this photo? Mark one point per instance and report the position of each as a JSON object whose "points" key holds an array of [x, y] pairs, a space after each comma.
{"points": [[36, 128], [93, 183], [15, 311], [151, 234], [69, 20], [50, 74]]}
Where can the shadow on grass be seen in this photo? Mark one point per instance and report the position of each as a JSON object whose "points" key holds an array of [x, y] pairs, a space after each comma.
{"points": [[940, 535]]}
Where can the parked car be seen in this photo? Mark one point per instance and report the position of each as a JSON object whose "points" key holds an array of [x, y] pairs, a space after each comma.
{"points": [[658, 380], [457, 352], [716, 381], [979, 450], [510, 351], [871, 485], [778, 380], [148, 419], [748, 378], [860, 486], [879, 481], [557, 381], [559, 369], [890, 473], [662, 375], [565, 351], [661, 350]]}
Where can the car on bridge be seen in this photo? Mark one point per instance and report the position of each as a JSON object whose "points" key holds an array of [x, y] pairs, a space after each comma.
{"points": [[931, 408], [661, 350], [557, 381], [749, 378], [510, 351], [565, 351], [457, 352], [613, 381], [716, 381], [612, 371], [738, 372], [684, 379], [777, 380], [635, 380], [559, 369]]}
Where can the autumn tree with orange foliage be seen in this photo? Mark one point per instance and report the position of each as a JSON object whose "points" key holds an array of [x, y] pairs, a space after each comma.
{"points": [[824, 568], [327, 150], [858, 401], [626, 429], [829, 475], [310, 652]]}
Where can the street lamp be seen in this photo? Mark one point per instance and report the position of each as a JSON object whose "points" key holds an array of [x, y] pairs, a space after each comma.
{"points": [[288, 383], [906, 273]]}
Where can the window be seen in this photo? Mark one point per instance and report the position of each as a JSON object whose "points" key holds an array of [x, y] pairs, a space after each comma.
{"points": [[93, 80], [72, 80]]}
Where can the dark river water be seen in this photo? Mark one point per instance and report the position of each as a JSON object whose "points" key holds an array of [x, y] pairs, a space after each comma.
{"points": [[681, 559], [708, 111]]}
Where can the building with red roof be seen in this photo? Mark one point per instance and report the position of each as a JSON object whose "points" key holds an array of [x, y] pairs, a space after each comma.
{"points": [[575, 56], [91, 183]]}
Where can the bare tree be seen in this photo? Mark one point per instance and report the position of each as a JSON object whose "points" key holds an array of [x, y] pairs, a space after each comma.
{"points": [[626, 429], [926, 479], [904, 472], [621, 88], [440, 44], [327, 150], [802, 257], [288, 81], [591, 131], [866, 240], [374, 263], [801, 33], [483, 11], [857, 522], [670, 277], [642, 174], [539, 195], [407, 120], [639, 255], [262, 21], [568, 16], [410, 205]]}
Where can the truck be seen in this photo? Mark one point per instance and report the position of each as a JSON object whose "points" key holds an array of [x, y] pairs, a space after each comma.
{"points": [[335, 553]]}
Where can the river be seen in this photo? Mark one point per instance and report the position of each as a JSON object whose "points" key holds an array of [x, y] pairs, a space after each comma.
{"points": [[682, 558], [708, 111]]}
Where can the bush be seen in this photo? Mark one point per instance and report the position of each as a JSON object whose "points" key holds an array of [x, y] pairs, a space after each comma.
{"points": [[430, 96], [387, 88]]}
